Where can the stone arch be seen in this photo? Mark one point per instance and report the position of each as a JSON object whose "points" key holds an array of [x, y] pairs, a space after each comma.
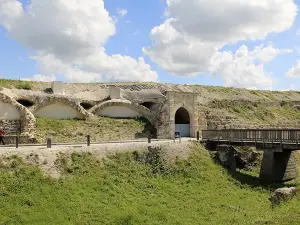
{"points": [[189, 109], [119, 105], [183, 122], [59, 108], [182, 116], [26, 118], [191, 102]]}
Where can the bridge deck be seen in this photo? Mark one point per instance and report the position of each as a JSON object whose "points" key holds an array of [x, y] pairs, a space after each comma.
{"points": [[261, 138]]}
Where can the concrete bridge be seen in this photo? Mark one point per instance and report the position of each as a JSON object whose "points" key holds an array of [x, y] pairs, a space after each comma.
{"points": [[278, 162]]}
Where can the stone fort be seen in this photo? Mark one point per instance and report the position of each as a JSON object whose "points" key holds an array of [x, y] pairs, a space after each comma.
{"points": [[167, 110], [168, 107]]}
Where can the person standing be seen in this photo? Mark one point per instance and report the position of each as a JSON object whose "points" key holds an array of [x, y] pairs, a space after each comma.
{"points": [[2, 133]]}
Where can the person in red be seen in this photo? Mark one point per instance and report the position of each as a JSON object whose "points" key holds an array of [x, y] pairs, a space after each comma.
{"points": [[2, 133]]}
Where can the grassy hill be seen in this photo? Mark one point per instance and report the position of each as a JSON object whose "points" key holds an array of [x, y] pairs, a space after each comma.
{"points": [[100, 129], [283, 114], [124, 189]]}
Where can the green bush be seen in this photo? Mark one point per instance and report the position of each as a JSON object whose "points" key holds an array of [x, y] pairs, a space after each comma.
{"points": [[24, 85]]}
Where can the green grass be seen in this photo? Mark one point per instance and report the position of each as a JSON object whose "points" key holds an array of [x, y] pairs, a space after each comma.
{"points": [[121, 190], [282, 114], [100, 129], [19, 84]]}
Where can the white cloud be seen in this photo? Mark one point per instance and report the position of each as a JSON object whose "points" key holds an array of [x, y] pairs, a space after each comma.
{"points": [[269, 53], [9, 10], [244, 68], [98, 67], [294, 71], [65, 29], [231, 20], [39, 77], [69, 38], [122, 12], [179, 54], [196, 30]]}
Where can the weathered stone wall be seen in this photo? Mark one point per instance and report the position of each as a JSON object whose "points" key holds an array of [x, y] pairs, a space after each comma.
{"points": [[161, 100], [189, 101], [162, 120], [10, 126], [8, 112], [27, 120], [221, 120]]}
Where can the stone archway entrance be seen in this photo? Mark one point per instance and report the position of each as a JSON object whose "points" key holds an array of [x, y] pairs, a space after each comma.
{"points": [[182, 122]]}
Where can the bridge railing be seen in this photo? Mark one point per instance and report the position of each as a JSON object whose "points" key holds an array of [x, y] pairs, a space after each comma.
{"points": [[267, 135]]}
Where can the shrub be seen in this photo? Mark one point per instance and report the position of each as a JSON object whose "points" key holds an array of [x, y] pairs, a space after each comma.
{"points": [[24, 85]]}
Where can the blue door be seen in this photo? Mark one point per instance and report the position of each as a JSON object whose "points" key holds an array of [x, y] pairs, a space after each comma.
{"points": [[184, 129]]}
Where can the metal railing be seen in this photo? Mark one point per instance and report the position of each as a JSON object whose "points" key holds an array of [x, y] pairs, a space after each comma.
{"points": [[267, 135]]}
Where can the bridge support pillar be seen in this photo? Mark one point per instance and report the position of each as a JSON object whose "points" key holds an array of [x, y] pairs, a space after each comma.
{"points": [[277, 166]]}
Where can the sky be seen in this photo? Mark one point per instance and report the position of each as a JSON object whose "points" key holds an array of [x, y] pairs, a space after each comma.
{"points": [[234, 43]]}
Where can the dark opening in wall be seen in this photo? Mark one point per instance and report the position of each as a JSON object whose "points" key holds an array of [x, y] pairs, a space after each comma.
{"points": [[86, 105], [25, 102], [148, 129], [182, 116], [148, 105]]}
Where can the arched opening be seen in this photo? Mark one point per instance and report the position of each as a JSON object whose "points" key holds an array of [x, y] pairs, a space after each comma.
{"points": [[148, 129], [86, 105], [25, 102], [148, 105], [182, 122]]}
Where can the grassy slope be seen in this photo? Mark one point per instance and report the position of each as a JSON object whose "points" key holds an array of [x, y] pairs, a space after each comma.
{"points": [[27, 85], [284, 115], [100, 129], [123, 191]]}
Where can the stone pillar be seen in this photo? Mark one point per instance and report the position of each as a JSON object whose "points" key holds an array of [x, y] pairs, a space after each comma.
{"points": [[194, 131], [278, 166], [57, 87], [172, 128], [115, 93], [171, 113], [266, 169], [196, 115]]}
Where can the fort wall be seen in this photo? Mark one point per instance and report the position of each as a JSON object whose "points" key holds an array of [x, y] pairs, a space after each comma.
{"points": [[157, 103]]}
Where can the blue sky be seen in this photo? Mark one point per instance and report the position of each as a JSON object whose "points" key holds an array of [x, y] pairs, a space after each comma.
{"points": [[132, 33]]}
